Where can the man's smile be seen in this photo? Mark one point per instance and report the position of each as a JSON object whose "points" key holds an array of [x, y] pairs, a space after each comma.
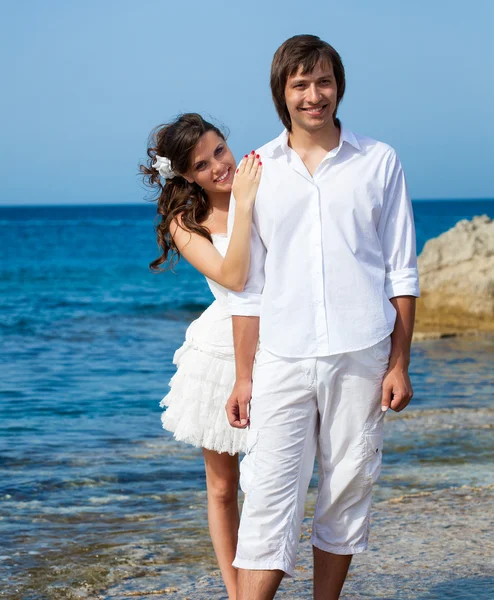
{"points": [[314, 111]]}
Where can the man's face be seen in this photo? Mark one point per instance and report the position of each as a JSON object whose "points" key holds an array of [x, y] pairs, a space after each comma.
{"points": [[311, 98]]}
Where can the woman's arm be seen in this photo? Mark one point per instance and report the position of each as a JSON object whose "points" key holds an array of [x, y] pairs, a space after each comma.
{"points": [[230, 271]]}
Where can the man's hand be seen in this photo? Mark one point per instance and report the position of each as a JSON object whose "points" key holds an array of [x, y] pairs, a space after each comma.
{"points": [[237, 407], [245, 337], [397, 389]]}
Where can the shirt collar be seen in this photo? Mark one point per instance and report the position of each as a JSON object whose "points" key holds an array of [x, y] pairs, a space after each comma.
{"points": [[349, 137], [280, 144]]}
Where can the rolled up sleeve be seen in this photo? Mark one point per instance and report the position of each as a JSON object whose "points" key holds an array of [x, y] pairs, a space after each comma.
{"points": [[397, 234], [248, 302]]}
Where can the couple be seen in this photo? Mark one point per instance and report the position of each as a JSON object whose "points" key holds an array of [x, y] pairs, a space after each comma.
{"points": [[311, 345]]}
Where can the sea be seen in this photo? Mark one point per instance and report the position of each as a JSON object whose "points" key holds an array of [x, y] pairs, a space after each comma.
{"points": [[93, 493]]}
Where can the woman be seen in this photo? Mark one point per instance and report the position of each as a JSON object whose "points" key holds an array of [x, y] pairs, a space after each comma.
{"points": [[194, 173]]}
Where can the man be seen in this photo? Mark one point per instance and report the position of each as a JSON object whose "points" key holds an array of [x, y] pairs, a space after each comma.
{"points": [[332, 286]]}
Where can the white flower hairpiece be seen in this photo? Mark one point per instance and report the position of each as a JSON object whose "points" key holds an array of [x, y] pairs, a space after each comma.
{"points": [[164, 167]]}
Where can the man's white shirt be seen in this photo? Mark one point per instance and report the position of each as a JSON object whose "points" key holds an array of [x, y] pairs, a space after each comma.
{"points": [[328, 251]]}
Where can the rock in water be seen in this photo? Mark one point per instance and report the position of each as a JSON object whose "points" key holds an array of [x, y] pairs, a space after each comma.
{"points": [[457, 269]]}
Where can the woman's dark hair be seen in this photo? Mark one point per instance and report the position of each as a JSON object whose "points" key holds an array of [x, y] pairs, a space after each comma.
{"points": [[176, 196], [302, 51]]}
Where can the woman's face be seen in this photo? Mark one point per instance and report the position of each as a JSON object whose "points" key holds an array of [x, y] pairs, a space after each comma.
{"points": [[212, 164]]}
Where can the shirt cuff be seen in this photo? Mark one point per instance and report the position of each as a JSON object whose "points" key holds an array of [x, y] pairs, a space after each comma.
{"points": [[404, 282], [244, 304]]}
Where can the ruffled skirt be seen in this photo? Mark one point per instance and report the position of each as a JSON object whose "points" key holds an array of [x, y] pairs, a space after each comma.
{"points": [[196, 402]]}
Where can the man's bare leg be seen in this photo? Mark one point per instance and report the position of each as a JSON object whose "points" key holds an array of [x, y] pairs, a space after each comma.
{"points": [[258, 585], [329, 573]]}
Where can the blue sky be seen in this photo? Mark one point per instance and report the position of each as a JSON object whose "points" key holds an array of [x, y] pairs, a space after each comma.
{"points": [[85, 82]]}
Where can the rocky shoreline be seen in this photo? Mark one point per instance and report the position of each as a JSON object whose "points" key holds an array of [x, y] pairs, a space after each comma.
{"points": [[425, 546], [449, 332]]}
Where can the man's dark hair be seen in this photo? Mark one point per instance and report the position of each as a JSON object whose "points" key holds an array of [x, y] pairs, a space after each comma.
{"points": [[304, 51]]}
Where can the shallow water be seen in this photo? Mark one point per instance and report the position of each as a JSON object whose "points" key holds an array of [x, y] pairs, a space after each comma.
{"points": [[92, 491], [90, 499]]}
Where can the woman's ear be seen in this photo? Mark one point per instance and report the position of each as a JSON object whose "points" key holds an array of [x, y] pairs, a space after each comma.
{"points": [[187, 178]]}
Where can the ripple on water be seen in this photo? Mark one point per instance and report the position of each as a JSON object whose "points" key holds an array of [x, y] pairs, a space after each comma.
{"points": [[135, 545]]}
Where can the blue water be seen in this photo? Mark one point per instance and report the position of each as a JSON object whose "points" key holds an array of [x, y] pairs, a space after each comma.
{"points": [[92, 490]]}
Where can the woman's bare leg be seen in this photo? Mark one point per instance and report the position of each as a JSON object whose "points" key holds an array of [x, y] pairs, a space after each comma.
{"points": [[222, 475]]}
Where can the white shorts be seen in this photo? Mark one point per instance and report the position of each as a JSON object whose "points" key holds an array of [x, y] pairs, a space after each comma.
{"points": [[331, 405]]}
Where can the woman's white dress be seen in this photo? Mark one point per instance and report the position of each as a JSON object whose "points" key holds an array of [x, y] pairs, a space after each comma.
{"points": [[205, 377]]}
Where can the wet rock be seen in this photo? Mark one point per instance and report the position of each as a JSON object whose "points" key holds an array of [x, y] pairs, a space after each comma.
{"points": [[457, 268]]}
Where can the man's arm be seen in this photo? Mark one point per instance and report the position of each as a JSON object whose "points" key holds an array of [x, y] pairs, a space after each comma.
{"points": [[245, 337], [245, 308], [396, 388], [397, 234]]}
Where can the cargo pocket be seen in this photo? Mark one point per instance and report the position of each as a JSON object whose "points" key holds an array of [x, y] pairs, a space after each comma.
{"points": [[373, 446], [248, 462]]}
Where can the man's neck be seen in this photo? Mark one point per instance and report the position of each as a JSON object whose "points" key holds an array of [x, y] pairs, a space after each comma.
{"points": [[305, 142], [312, 146]]}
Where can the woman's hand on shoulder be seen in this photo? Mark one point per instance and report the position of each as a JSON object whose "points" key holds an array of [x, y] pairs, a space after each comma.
{"points": [[246, 180]]}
